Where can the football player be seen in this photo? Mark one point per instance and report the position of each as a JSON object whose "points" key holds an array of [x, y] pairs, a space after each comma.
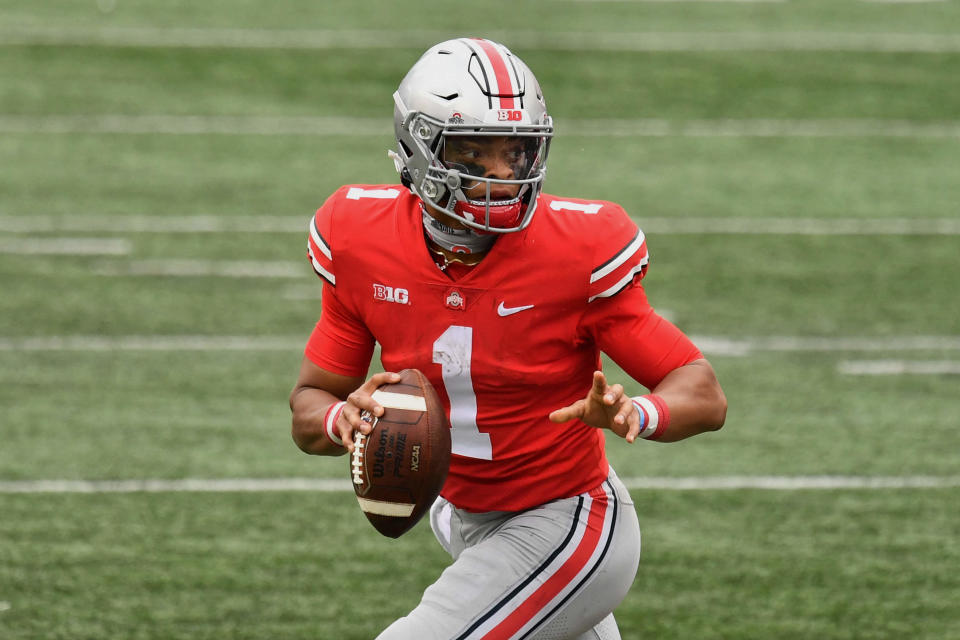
{"points": [[505, 297]]}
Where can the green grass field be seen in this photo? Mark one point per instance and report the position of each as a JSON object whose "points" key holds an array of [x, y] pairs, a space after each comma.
{"points": [[794, 165]]}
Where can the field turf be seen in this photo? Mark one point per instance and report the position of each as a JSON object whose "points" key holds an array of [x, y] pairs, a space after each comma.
{"points": [[794, 166]]}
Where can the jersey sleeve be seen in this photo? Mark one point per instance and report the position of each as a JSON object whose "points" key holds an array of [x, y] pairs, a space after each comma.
{"points": [[319, 242], [340, 343], [645, 344], [620, 255]]}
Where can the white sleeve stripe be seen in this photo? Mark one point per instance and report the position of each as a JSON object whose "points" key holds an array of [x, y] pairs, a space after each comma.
{"points": [[323, 273], [612, 264], [318, 239], [622, 283]]}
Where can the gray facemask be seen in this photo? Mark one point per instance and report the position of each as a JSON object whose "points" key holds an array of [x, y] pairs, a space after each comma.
{"points": [[456, 240]]}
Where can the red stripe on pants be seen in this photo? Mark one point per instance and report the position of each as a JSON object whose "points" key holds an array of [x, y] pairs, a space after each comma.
{"points": [[563, 575]]}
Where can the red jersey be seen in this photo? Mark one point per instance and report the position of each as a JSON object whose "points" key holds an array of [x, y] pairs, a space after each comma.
{"points": [[515, 338]]}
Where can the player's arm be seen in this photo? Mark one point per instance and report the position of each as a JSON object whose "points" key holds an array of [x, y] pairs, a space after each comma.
{"points": [[685, 396], [685, 399], [695, 400], [692, 402], [327, 408], [331, 391]]}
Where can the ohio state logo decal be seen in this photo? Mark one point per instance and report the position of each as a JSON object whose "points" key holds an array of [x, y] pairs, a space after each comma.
{"points": [[453, 299]]}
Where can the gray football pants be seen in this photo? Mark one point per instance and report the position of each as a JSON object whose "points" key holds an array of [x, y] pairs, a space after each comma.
{"points": [[555, 572]]}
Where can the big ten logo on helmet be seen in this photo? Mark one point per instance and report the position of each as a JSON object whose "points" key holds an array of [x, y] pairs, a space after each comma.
{"points": [[391, 294], [511, 115]]}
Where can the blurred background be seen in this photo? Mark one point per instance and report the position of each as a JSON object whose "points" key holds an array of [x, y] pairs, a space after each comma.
{"points": [[795, 166]]}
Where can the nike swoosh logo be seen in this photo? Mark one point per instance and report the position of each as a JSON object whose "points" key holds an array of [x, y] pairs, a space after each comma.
{"points": [[503, 311]]}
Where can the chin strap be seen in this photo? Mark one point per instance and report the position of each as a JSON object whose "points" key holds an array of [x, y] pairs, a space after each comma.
{"points": [[456, 240]]}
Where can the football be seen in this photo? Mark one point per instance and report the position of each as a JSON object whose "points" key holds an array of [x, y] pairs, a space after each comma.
{"points": [[399, 469]]}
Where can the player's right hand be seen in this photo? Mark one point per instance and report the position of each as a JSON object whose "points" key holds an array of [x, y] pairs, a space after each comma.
{"points": [[360, 406]]}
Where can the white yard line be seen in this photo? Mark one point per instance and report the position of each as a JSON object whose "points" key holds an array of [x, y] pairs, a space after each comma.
{"points": [[801, 226], [153, 343], [205, 268], [789, 483], [136, 223], [195, 125], [343, 126], [712, 345], [899, 367], [330, 485], [762, 128], [206, 38], [744, 346], [186, 484], [65, 246]]}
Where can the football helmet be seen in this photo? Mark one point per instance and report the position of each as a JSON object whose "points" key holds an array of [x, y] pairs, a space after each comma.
{"points": [[470, 87]]}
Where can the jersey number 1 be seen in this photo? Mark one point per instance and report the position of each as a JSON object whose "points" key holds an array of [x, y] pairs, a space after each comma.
{"points": [[453, 351]]}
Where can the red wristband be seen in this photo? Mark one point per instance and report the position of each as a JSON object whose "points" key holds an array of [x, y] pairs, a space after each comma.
{"points": [[664, 416], [654, 415], [330, 419]]}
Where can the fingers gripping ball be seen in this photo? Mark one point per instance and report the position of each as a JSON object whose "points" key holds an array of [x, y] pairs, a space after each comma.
{"points": [[399, 469]]}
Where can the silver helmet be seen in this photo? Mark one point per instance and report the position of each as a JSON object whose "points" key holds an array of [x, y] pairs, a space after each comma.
{"points": [[464, 88]]}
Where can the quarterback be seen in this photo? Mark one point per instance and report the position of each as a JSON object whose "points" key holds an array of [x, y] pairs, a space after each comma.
{"points": [[505, 297]]}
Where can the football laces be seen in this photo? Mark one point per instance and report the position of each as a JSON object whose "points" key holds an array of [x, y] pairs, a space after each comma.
{"points": [[359, 444], [359, 441]]}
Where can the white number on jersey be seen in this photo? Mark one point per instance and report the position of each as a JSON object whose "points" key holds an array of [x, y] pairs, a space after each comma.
{"points": [[453, 351], [355, 193], [563, 205]]}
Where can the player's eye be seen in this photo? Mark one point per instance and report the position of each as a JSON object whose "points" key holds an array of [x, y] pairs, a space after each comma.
{"points": [[458, 152]]}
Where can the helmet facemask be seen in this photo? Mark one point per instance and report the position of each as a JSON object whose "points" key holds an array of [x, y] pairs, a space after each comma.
{"points": [[476, 161], [461, 189]]}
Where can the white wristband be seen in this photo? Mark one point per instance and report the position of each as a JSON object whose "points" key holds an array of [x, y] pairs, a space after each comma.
{"points": [[332, 414], [649, 416]]}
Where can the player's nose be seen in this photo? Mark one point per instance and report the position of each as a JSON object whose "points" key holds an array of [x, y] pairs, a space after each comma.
{"points": [[499, 165], [501, 169]]}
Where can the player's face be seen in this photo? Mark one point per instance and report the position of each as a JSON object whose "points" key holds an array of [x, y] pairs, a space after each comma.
{"points": [[500, 157]]}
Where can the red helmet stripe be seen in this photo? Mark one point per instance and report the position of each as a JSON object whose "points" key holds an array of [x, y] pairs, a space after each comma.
{"points": [[500, 72]]}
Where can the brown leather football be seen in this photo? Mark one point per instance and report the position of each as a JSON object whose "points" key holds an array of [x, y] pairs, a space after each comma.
{"points": [[399, 469]]}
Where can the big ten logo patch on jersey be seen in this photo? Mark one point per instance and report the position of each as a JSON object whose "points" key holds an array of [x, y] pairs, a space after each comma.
{"points": [[390, 294]]}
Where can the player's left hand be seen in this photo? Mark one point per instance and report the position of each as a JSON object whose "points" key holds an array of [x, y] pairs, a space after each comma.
{"points": [[605, 407]]}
